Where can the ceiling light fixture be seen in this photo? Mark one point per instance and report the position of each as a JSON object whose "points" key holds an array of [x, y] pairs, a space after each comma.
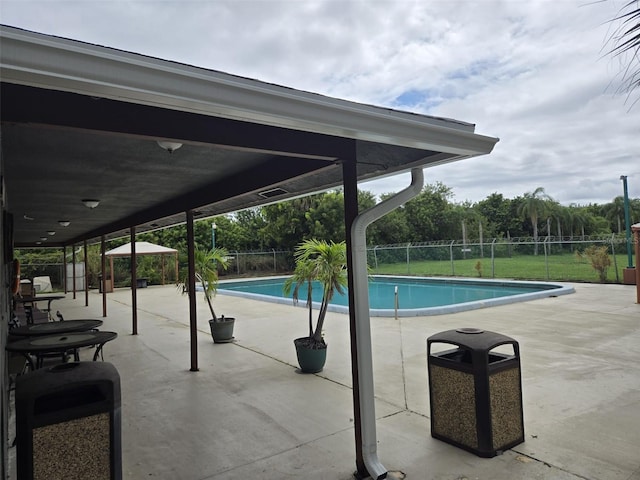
{"points": [[91, 203], [27, 217], [64, 223], [51, 233], [169, 146], [44, 239]]}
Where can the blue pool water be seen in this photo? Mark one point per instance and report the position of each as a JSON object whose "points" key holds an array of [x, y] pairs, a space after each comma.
{"points": [[416, 295]]}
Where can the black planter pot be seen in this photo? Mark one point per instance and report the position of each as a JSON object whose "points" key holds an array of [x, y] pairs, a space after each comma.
{"points": [[222, 330], [311, 360]]}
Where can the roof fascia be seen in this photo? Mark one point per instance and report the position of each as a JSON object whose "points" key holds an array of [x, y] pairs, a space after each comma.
{"points": [[34, 59]]}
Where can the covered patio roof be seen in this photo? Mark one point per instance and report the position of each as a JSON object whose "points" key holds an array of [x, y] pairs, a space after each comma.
{"points": [[82, 121]]}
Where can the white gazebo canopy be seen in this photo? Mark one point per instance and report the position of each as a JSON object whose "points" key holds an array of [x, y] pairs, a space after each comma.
{"points": [[143, 248]]}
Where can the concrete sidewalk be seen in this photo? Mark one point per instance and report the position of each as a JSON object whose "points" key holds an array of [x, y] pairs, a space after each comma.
{"points": [[249, 413]]}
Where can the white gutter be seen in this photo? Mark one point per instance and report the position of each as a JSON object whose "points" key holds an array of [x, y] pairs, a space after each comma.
{"points": [[363, 325]]}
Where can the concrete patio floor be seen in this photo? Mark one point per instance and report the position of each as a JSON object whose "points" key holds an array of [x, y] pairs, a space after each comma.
{"points": [[249, 414]]}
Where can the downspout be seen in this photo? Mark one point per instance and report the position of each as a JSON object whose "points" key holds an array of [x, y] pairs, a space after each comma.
{"points": [[363, 326]]}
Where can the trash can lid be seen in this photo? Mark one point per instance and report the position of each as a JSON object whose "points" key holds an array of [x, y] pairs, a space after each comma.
{"points": [[472, 338], [65, 376], [469, 330]]}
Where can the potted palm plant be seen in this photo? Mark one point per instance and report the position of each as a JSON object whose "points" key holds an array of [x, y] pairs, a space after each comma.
{"points": [[323, 263], [206, 264]]}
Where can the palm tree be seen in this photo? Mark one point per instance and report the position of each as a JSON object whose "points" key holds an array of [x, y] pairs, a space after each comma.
{"points": [[559, 213], [326, 263], [206, 264], [302, 276], [534, 205], [579, 219], [614, 211], [626, 40]]}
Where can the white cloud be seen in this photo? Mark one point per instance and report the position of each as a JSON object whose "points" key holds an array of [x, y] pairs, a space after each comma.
{"points": [[533, 73]]}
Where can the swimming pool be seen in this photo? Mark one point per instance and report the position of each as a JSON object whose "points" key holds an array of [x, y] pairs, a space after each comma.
{"points": [[416, 295]]}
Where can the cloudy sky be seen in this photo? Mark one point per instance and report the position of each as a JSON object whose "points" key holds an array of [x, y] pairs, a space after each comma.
{"points": [[533, 73]]}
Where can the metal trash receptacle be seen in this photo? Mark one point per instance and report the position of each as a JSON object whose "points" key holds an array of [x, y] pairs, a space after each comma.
{"points": [[476, 393], [108, 286], [68, 422]]}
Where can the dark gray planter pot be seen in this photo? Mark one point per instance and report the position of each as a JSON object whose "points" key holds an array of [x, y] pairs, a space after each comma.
{"points": [[222, 330], [311, 360]]}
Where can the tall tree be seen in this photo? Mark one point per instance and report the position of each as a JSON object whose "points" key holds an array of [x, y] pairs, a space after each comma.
{"points": [[497, 210], [614, 212], [634, 210], [576, 218], [392, 228], [286, 223], [559, 214], [249, 232], [534, 206], [428, 215], [325, 217]]}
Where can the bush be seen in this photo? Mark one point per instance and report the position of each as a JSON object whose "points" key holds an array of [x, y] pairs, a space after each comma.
{"points": [[600, 260], [478, 268]]}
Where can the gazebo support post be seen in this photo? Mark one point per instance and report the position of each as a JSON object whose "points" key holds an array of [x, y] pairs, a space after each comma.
{"points": [[134, 283], [191, 278]]}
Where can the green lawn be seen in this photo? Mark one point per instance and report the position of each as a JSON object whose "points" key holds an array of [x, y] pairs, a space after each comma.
{"points": [[565, 267]]}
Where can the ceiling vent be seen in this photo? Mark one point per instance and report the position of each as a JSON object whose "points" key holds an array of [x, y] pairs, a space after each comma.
{"points": [[274, 192]]}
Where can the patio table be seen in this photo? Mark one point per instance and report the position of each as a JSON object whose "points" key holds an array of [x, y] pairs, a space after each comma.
{"points": [[41, 298], [55, 328], [60, 344]]}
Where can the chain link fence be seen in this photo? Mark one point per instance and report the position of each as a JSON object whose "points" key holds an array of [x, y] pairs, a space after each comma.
{"points": [[254, 263], [55, 272], [550, 258]]}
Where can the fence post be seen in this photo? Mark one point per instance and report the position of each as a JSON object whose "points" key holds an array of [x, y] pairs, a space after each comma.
{"points": [[615, 262], [238, 262], [546, 257], [375, 257], [493, 259], [408, 245], [453, 268], [275, 268]]}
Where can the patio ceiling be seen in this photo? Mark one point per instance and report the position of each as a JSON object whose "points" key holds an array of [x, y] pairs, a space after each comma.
{"points": [[83, 121]]}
